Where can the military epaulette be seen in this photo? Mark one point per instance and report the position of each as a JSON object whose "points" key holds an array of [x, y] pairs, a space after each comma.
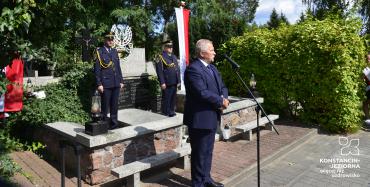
{"points": [[102, 64], [172, 65]]}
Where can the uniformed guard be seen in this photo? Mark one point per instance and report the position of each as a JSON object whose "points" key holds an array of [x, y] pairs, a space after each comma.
{"points": [[109, 78], [168, 73]]}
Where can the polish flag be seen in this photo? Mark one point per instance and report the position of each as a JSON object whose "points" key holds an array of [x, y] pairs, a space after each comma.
{"points": [[12, 100], [182, 18]]}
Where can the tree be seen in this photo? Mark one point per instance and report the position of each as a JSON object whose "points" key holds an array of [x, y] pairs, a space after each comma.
{"points": [[274, 21], [365, 13], [216, 20], [163, 13], [55, 24], [302, 18], [321, 8], [283, 19], [248, 8], [15, 19]]}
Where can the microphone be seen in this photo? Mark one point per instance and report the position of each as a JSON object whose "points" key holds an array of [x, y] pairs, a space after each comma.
{"points": [[234, 65]]}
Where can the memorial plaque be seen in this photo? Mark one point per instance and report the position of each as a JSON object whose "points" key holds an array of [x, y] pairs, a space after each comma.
{"points": [[136, 93], [135, 64]]}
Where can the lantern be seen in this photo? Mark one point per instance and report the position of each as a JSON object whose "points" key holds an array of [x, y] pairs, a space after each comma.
{"points": [[252, 82], [96, 106], [29, 88], [226, 133], [97, 125]]}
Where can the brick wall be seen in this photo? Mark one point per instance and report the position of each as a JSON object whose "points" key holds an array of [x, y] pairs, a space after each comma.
{"points": [[96, 163]]}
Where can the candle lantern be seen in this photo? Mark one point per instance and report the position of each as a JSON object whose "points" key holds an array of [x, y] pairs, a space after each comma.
{"points": [[97, 125], [226, 132], [29, 88], [252, 82]]}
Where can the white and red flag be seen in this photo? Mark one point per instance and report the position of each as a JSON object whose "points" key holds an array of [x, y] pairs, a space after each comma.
{"points": [[12, 100], [182, 18]]}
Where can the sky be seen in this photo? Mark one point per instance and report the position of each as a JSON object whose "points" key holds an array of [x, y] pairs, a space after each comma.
{"points": [[291, 8]]}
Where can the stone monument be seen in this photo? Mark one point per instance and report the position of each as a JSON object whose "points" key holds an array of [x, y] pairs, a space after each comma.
{"points": [[134, 70]]}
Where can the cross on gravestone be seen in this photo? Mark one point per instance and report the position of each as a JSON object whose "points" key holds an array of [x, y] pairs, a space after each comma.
{"points": [[86, 41]]}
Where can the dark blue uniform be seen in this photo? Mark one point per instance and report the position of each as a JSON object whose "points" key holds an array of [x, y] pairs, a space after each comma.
{"points": [[205, 91], [108, 74], [168, 73]]}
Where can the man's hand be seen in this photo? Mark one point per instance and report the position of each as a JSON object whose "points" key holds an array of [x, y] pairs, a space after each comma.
{"points": [[225, 103], [122, 85], [101, 89], [163, 86]]}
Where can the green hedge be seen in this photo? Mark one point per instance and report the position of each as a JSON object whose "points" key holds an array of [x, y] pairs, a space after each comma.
{"points": [[68, 100], [311, 70]]}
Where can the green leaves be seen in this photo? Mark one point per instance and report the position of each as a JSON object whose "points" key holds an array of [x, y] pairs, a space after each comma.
{"points": [[8, 143], [14, 23], [7, 166], [310, 71], [68, 100]]}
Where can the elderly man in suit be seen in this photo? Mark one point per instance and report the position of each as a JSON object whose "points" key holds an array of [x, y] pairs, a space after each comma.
{"points": [[206, 97]]}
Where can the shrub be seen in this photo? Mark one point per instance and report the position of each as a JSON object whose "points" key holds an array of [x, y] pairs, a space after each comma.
{"points": [[315, 64], [154, 86], [8, 167], [68, 100]]}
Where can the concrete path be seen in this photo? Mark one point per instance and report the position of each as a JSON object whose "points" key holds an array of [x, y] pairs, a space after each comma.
{"points": [[323, 160], [232, 161]]}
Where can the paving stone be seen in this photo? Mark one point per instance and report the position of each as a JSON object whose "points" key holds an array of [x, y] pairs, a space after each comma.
{"points": [[230, 158], [308, 157], [40, 172]]}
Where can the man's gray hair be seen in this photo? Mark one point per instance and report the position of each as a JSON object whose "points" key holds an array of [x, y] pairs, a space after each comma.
{"points": [[201, 46]]}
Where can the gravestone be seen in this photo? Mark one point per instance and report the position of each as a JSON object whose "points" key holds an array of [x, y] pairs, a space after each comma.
{"points": [[136, 93], [135, 65], [150, 68]]}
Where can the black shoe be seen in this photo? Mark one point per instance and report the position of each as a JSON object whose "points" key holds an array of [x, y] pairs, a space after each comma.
{"points": [[113, 127], [172, 115], [214, 184]]}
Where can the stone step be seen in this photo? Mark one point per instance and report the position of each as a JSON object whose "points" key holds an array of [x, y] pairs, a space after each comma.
{"points": [[253, 124], [156, 160], [248, 127]]}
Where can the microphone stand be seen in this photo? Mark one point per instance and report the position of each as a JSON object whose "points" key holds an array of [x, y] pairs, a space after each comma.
{"points": [[258, 109]]}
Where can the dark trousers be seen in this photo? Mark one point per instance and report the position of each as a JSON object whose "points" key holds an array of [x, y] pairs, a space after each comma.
{"points": [[202, 142], [169, 100], [110, 104]]}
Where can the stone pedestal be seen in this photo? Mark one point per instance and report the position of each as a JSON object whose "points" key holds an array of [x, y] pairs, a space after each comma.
{"points": [[145, 135], [240, 111], [180, 100]]}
